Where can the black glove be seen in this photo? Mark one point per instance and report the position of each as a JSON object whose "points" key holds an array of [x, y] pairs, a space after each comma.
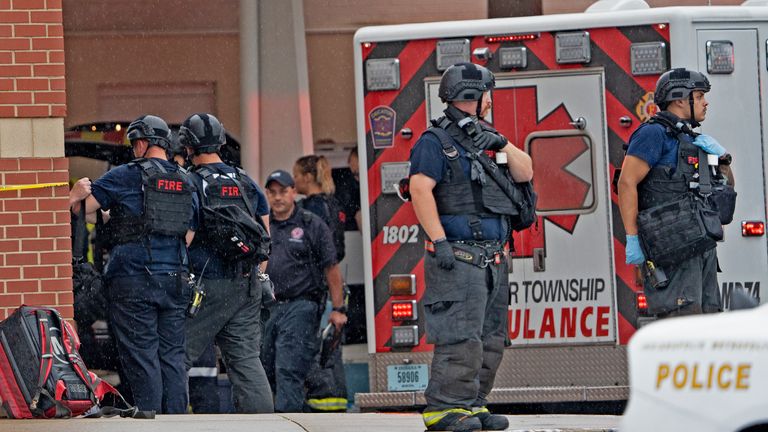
{"points": [[485, 140], [444, 254]]}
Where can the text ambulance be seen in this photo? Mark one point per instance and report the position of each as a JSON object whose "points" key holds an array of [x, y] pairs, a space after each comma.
{"points": [[570, 90]]}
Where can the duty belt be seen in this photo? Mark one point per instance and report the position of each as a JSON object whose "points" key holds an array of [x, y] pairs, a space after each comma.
{"points": [[478, 253]]}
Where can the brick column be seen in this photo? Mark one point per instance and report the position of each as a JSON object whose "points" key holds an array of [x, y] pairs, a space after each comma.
{"points": [[35, 247]]}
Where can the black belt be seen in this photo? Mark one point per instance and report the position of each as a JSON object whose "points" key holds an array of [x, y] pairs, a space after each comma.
{"points": [[475, 252]]}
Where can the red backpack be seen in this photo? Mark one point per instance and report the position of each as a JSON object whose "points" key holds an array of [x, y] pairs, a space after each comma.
{"points": [[42, 374]]}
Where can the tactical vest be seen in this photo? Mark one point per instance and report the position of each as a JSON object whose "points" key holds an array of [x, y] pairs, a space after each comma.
{"points": [[665, 184], [456, 194], [222, 189], [167, 205]]}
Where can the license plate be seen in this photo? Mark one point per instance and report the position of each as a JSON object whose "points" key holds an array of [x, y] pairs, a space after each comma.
{"points": [[407, 377]]}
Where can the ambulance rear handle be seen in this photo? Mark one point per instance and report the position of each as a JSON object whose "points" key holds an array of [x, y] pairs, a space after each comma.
{"points": [[539, 255]]}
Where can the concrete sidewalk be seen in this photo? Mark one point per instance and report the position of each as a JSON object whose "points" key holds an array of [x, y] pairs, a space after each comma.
{"points": [[298, 423]]}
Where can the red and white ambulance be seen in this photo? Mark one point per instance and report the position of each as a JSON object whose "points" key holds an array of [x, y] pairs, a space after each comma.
{"points": [[570, 90]]}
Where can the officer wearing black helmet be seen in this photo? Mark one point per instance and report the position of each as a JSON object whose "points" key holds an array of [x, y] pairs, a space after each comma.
{"points": [[152, 208], [230, 314], [662, 167], [466, 219]]}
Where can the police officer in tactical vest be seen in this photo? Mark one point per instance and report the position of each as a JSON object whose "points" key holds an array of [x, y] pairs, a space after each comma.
{"points": [[152, 209], [465, 215], [230, 313], [665, 180]]}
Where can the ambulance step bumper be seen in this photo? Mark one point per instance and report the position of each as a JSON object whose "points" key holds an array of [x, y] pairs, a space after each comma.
{"points": [[501, 396]]}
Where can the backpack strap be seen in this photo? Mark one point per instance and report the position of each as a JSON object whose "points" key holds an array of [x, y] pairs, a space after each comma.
{"points": [[46, 357]]}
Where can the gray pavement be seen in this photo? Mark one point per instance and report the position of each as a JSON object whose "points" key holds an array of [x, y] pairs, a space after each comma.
{"points": [[298, 423]]}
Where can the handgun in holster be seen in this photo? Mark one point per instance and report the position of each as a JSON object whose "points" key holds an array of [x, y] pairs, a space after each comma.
{"points": [[655, 275]]}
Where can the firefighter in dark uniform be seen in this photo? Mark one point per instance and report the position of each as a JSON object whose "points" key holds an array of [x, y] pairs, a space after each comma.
{"points": [[656, 172], [302, 263], [467, 291], [230, 314], [152, 209]]}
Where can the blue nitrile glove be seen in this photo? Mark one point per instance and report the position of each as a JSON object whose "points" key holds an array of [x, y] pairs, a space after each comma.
{"points": [[444, 254], [634, 252], [709, 145]]}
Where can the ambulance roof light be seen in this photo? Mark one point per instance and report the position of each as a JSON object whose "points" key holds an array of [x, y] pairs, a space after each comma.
{"points": [[382, 74], [513, 57], [648, 58], [452, 51], [720, 57], [573, 47]]}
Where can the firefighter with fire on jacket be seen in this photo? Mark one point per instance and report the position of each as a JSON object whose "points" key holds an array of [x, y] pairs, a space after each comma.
{"points": [[230, 314], [465, 216], [661, 167], [152, 208]]}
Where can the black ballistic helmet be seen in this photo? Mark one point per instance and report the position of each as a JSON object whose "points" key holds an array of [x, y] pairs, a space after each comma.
{"points": [[678, 84], [465, 82], [151, 128], [203, 132]]}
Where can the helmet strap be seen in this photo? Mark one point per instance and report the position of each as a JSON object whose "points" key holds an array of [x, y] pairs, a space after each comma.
{"points": [[479, 109], [693, 121]]}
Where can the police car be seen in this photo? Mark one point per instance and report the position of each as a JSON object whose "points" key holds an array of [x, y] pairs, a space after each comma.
{"points": [[700, 373]]}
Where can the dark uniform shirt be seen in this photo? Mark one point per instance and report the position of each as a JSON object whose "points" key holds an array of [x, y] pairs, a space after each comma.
{"points": [[301, 251], [198, 254], [156, 254], [654, 145], [427, 158]]}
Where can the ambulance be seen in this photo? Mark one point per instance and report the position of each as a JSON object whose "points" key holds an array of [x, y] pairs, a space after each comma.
{"points": [[570, 90]]}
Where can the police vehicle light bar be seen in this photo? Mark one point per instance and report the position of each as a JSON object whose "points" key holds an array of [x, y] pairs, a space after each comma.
{"points": [[382, 74], [513, 57], [405, 336], [404, 310], [648, 58], [511, 37], [720, 58], [452, 51], [752, 228], [402, 284], [573, 47]]}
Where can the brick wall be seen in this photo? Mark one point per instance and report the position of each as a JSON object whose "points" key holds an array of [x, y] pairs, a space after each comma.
{"points": [[35, 247]]}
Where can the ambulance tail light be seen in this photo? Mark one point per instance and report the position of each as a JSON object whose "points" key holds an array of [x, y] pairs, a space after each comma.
{"points": [[402, 284], [405, 336], [404, 310], [752, 228], [642, 302]]}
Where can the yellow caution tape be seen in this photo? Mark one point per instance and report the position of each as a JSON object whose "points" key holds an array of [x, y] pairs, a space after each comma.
{"points": [[32, 186]]}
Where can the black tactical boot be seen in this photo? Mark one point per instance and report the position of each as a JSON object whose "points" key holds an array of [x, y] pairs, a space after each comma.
{"points": [[490, 422], [457, 420]]}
